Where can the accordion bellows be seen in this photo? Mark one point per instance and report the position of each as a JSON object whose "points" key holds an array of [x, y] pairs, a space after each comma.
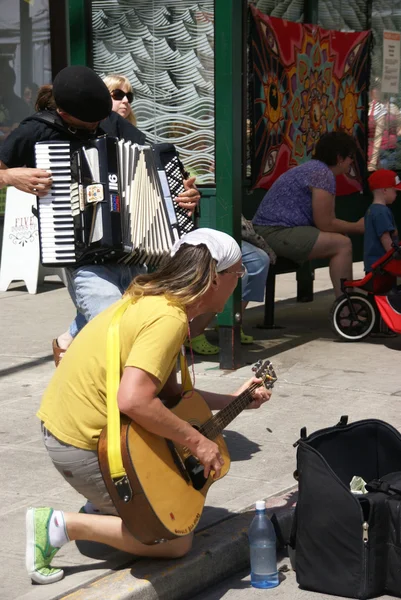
{"points": [[110, 200]]}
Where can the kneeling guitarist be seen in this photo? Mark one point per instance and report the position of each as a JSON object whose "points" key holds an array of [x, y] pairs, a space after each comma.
{"points": [[152, 320]]}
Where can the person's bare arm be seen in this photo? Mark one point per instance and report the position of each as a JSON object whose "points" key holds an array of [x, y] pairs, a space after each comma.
{"points": [[137, 398], [218, 401], [386, 241], [324, 217], [374, 160], [32, 181]]}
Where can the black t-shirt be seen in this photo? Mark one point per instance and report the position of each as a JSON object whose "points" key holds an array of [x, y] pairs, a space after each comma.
{"points": [[18, 150]]}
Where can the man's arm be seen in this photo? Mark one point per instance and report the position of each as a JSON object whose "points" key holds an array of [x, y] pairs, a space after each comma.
{"points": [[32, 181], [324, 216], [374, 159]]}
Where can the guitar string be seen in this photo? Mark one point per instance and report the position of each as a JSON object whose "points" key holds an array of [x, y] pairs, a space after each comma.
{"points": [[213, 426], [217, 423]]}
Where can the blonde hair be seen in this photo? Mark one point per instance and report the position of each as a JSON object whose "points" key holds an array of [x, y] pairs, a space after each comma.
{"points": [[116, 82], [183, 278]]}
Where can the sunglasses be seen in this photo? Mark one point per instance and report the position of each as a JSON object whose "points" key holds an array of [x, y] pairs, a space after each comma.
{"points": [[120, 95]]}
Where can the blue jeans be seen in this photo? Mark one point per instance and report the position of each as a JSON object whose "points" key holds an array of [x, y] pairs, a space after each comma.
{"points": [[95, 287], [257, 264]]}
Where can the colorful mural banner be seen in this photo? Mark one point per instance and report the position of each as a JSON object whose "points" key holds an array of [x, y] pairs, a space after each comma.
{"points": [[307, 81]]}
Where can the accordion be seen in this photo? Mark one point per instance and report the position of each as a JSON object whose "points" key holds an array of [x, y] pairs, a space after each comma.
{"points": [[110, 200]]}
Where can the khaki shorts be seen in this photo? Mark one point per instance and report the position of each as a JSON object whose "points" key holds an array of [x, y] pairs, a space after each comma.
{"points": [[80, 468], [295, 243]]}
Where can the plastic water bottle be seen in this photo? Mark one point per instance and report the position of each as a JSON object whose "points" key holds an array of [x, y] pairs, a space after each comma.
{"points": [[262, 542]]}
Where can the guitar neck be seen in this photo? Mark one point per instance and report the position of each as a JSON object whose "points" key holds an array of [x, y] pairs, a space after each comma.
{"points": [[214, 426]]}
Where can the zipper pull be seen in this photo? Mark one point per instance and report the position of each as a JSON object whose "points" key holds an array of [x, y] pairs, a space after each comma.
{"points": [[365, 529]]}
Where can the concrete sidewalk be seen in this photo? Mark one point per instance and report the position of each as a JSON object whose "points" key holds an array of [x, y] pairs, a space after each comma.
{"points": [[320, 379]]}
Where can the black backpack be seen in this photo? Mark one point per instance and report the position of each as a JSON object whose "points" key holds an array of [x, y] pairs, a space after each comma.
{"points": [[349, 544]]}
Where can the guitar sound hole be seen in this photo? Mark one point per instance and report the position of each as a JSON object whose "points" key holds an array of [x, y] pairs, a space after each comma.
{"points": [[195, 471]]}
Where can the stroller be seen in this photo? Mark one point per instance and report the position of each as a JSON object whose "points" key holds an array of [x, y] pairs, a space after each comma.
{"points": [[356, 314]]}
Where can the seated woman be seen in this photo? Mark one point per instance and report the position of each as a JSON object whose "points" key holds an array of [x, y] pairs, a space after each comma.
{"points": [[297, 215]]}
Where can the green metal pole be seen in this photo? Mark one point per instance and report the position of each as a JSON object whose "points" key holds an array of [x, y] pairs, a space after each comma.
{"points": [[228, 111], [79, 28]]}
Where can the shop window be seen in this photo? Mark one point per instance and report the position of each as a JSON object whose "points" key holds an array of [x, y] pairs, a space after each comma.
{"points": [[24, 61], [384, 149]]}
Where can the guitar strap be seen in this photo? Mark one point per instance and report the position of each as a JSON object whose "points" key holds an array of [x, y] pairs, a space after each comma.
{"points": [[113, 377], [185, 376]]}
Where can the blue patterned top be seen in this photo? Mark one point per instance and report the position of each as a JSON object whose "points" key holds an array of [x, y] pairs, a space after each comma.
{"points": [[289, 201]]}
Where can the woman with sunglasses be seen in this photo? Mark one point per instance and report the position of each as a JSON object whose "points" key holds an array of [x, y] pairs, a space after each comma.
{"points": [[122, 96]]}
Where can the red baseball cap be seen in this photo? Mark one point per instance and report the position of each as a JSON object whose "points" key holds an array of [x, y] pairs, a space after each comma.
{"points": [[383, 178]]}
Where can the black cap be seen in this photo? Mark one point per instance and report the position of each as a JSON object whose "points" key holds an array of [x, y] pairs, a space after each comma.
{"points": [[80, 92]]}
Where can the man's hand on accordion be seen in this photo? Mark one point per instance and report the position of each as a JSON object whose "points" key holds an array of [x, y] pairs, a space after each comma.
{"points": [[32, 181], [190, 198]]}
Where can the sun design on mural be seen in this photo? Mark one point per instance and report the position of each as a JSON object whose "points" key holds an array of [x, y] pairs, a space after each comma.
{"points": [[312, 112], [350, 106]]}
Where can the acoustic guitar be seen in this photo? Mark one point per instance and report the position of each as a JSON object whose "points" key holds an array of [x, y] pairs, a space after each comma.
{"points": [[163, 493]]}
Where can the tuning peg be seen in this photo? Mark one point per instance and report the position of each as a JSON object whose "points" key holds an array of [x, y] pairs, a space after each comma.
{"points": [[257, 366]]}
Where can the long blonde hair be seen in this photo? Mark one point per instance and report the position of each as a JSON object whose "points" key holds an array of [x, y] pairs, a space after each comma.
{"points": [[114, 82], [183, 278]]}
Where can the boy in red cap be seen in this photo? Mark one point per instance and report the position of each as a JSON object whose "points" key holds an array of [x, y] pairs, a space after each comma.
{"points": [[380, 228]]}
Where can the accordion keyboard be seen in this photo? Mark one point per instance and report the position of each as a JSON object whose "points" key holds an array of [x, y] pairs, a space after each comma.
{"points": [[56, 226], [174, 176]]}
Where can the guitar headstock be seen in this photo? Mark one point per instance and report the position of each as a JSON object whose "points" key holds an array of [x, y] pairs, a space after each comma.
{"points": [[265, 371]]}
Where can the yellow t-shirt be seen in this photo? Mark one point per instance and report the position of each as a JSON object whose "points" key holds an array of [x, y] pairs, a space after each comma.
{"points": [[73, 406]]}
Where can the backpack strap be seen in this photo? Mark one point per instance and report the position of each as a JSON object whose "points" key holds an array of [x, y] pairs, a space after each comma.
{"points": [[381, 485]]}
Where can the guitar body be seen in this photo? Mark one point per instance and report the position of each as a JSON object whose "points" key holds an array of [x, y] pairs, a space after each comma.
{"points": [[168, 486]]}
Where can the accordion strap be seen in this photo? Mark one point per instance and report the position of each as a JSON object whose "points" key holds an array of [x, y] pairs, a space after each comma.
{"points": [[55, 121]]}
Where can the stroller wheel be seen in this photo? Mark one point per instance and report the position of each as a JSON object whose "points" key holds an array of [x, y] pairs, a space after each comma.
{"points": [[347, 327]]}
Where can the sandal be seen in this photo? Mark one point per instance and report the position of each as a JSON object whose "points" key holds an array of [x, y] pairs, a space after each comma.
{"points": [[58, 352], [200, 345], [245, 339]]}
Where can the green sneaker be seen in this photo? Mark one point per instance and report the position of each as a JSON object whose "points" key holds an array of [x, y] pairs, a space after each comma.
{"points": [[39, 551]]}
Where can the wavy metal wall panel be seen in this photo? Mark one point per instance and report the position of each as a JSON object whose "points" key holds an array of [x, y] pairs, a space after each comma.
{"points": [[166, 49]]}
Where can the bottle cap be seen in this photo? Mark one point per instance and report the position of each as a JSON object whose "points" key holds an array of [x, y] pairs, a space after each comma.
{"points": [[260, 505]]}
